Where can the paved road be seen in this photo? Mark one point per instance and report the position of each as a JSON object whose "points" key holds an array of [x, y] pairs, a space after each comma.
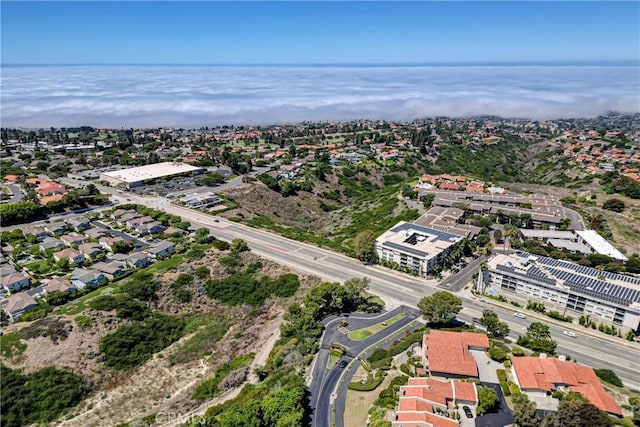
{"points": [[402, 289], [456, 281], [324, 381], [576, 220], [16, 193]]}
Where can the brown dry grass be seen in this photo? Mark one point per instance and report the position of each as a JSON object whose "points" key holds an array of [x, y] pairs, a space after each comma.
{"points": [[159, 386]]}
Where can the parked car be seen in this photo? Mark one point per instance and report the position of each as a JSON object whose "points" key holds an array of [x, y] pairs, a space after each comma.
{"points": [[569, 334], [520, 315], [467, 411], [477, 320]]}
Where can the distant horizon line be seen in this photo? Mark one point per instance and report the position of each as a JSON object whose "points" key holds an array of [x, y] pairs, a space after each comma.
{"points": [[622, 62]]}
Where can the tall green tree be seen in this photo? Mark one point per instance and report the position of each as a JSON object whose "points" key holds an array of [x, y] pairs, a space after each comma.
{"points": [[577, 413], [441, 307], [524, 411], [363, 245]]}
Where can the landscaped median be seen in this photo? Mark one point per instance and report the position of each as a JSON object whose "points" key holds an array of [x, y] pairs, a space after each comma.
{"points": [[361, 334]]}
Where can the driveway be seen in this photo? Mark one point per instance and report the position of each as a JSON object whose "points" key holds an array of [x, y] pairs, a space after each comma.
{"points": [[499, 416], [486, 367]]}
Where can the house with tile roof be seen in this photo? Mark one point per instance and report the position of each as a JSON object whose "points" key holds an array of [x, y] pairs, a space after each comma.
{"points": [[432, 402], [18, 304], [447, 354], [547, 374], [59, 285], [14, 282], [73, 255]]}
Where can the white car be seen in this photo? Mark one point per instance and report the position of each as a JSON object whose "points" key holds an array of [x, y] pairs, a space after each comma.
{"points": [[520, 315], [569, 334]]}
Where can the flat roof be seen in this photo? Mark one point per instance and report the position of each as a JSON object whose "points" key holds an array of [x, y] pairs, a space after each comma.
{"points": [[547, 234], [156, 170], [600, 245], [602, 285]]}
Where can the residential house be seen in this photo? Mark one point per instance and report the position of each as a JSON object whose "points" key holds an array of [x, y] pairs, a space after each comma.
{"points": [[107, 242], [14, 282], [160, 249], [110, 269], [35, 230], [90, 250], [73, 255], [173, 231], [51, 243], [73, 239], [18, 304], [139, 260], [540, 375], [124, 219], [152, 227], [59, 285], [7, 269], [79, 224], [447, 354], [56, 227], [37, 292], [81, 278], [119, 212], [96, 233], [428, 401]]}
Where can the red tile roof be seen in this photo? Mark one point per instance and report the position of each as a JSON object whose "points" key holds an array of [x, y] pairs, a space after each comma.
{"points": [[410, 419], [448, 352], [546, 373]]}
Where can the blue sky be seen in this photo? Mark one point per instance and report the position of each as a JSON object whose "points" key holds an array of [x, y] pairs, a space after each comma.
{"points": [[317, 32]]}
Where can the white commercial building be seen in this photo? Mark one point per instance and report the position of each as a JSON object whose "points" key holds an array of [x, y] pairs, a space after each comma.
{"points": [[414, 246], [566, 287], [585, 241], [133, 177]]}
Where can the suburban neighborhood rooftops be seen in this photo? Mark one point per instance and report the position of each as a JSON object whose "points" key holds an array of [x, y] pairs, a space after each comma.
{"points": [[546, 373]]}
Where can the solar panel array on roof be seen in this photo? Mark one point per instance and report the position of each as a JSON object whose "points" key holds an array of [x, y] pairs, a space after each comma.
{"points": [[588, 271], [597, 288]]}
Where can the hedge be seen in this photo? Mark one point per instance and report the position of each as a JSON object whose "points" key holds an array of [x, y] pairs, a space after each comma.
{"points": [[514, 389], [371, 384], [502, 377]]}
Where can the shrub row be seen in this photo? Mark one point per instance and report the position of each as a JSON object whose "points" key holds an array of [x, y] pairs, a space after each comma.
{"points": [[502, 378]]}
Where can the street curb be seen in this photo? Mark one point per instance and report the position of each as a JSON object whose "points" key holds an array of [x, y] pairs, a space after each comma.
{"points": [[621, 342]]}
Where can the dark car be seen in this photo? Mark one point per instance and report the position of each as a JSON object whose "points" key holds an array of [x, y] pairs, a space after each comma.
{"points": [[342, 363], [467, 411]]}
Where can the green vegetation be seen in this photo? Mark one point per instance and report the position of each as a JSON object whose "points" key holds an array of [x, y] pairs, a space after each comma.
{"points": [[487, 399], [538, 338], [504, 385], [494, 326], [302, 322], [244, 288], [57, 329], [371, 383], [41, 266], [132, 345], [381, 357], [210, 388], [40, 397], [10, 345], [609, 376], [440, 308], [360, 334], [388, 398], [207, 330]]}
